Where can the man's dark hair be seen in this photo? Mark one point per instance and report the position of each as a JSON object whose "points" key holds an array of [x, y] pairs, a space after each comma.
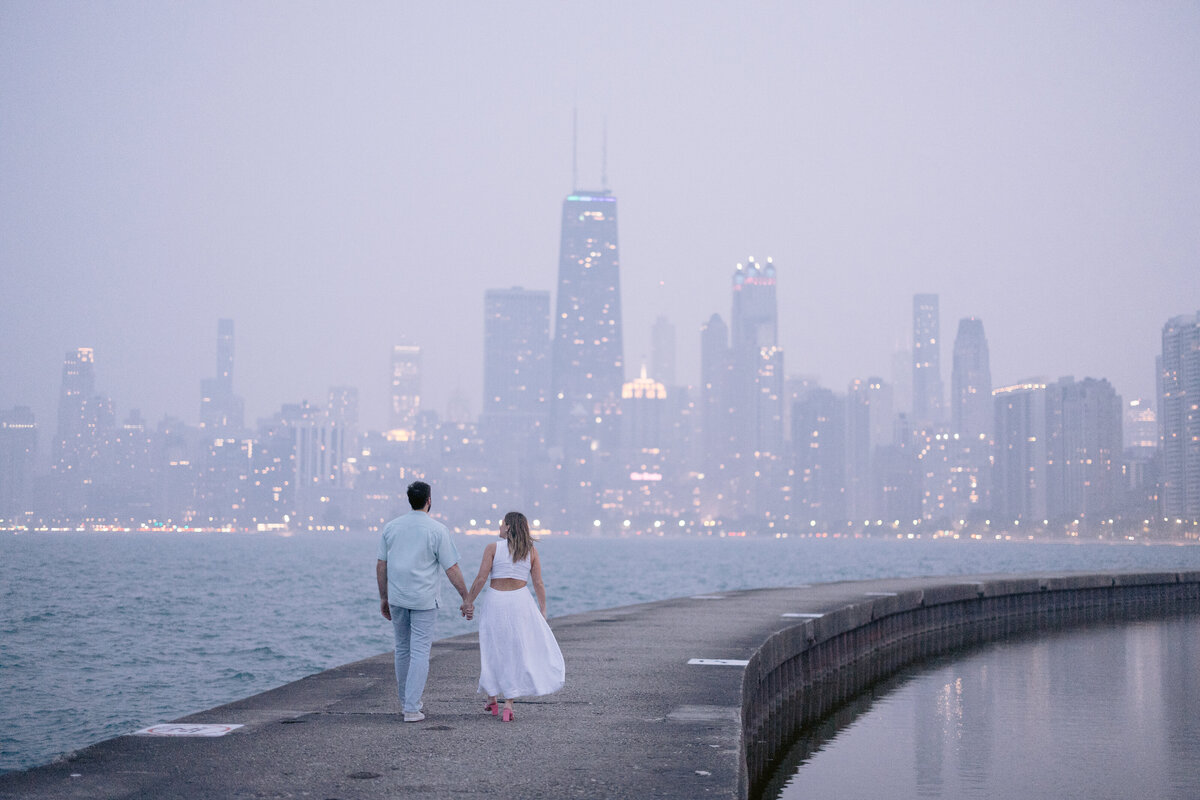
{"points": [[418, 494]]}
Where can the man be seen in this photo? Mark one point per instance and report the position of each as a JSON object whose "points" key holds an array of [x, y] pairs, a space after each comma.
{"points": [[413, 549]]}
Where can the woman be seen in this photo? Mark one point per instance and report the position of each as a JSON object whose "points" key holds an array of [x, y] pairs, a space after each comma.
{"points": [[518, 654]]}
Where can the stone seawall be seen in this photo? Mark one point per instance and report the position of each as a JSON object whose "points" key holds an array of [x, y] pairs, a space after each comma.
{"points": [[802, 673]]}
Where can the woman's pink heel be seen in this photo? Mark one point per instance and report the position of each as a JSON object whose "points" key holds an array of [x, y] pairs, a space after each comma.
{"points": [[507, 716], [492, 707]]}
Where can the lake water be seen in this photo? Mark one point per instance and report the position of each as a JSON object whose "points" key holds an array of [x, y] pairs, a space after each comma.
{"points": [[103, 634], [1091, 713]]}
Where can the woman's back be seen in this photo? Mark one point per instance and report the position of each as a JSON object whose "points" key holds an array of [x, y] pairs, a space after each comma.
{"points": [[504, 567]]}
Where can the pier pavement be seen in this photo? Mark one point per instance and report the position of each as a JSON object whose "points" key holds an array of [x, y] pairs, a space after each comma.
{"points": [[638, 717]]}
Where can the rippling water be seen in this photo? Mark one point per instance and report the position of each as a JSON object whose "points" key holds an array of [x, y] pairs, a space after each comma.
{"points": [[102, 634]]}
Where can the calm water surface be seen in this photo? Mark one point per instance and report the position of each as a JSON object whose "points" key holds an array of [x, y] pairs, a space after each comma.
{"points": [[102, 634], [1106, 712]]}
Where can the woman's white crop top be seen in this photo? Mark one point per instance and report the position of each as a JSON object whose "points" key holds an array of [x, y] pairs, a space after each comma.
{"points": [[503, 566]]}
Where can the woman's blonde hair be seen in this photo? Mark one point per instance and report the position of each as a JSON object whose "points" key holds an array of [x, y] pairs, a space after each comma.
{"points": [[520, 542]]}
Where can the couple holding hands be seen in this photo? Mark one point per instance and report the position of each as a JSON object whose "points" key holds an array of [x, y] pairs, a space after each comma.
{"points": [[518, 654]]}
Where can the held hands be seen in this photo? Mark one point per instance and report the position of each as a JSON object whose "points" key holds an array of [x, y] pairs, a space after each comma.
{"points": [[467, 609]]}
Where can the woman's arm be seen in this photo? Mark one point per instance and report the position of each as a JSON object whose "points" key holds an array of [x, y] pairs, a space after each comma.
{"points": [[485, 568], [535, 574]]}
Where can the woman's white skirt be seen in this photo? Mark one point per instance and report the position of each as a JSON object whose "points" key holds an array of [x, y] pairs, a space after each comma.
{"points": [[518, 654]]}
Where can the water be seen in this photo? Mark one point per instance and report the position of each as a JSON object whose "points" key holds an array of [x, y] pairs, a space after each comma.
{"points": [[1105, 712], [102, 634]]}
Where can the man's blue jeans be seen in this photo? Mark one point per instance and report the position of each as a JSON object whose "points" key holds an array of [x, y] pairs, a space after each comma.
{"points": [[414, 638]]}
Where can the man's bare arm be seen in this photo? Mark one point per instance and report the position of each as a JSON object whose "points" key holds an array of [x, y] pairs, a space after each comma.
{"points": [[381, 579]]}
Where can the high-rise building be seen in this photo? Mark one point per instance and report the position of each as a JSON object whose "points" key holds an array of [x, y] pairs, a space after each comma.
{"points": [[516, 389], [757, 470], [1142, 461], [758, 378], [971, 382], [343, 405], [406, 389], [819, 442], [220, 408], [644, 413], [1140, 428], [662, 351], [716, 379], [868, 430], [902, 375], [1179, 416], [588, 365], [1083, 443], [587, 357], [516, 351], [78, 388], [927, 365], [649, 471], [1021, 455], [18, 449], [972, 414]]}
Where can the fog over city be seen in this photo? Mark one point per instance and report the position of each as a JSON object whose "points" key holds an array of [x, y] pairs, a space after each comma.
{"points": [[337, 179]]}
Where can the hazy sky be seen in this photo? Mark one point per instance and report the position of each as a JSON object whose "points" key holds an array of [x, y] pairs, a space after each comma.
{"points": [[337, 176]]}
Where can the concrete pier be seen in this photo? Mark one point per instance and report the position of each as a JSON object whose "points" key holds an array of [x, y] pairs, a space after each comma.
{"points": [[691, 697]]}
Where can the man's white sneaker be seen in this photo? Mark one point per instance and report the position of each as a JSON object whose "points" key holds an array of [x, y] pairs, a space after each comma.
{"points": [[413, 716]]}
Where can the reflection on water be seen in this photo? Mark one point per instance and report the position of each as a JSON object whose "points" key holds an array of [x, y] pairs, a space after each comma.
{"points": [[1102, 712]]}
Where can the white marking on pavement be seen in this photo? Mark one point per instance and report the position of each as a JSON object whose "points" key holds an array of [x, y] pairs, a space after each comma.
{"points": [[803, 615], [186, 730], [705, 714], [881, 594], [718, 662]]}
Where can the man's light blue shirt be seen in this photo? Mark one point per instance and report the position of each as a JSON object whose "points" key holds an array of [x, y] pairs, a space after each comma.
{"points": [[417, 549]]}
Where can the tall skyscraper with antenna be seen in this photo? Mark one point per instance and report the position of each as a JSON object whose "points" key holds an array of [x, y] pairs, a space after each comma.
{"points": [[587, 355]]}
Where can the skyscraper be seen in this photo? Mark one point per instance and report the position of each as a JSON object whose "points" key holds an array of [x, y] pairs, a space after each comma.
{"points": [[972, 415], [1083, 444], [516, 389], [406, 387], [1179, 415], [716, 379], [220, 408], [588, 366], [927, 365], [662, 351], [516, 352], [868, 420], [1140, 426], [971, 382], [587, 357], [77, 390], [1019, 488], [757, 360], [819, 439], [18, 447]]}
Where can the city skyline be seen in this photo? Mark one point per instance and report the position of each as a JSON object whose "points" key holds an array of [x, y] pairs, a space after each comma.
{"points": [[1033, 165], [720, 453]]}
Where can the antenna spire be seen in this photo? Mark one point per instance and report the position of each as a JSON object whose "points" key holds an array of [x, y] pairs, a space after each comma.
{"points": [[604, 158], [574, 149]]}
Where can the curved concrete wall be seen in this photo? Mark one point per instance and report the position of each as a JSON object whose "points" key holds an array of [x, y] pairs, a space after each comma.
{"points": [[803, 672]]}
